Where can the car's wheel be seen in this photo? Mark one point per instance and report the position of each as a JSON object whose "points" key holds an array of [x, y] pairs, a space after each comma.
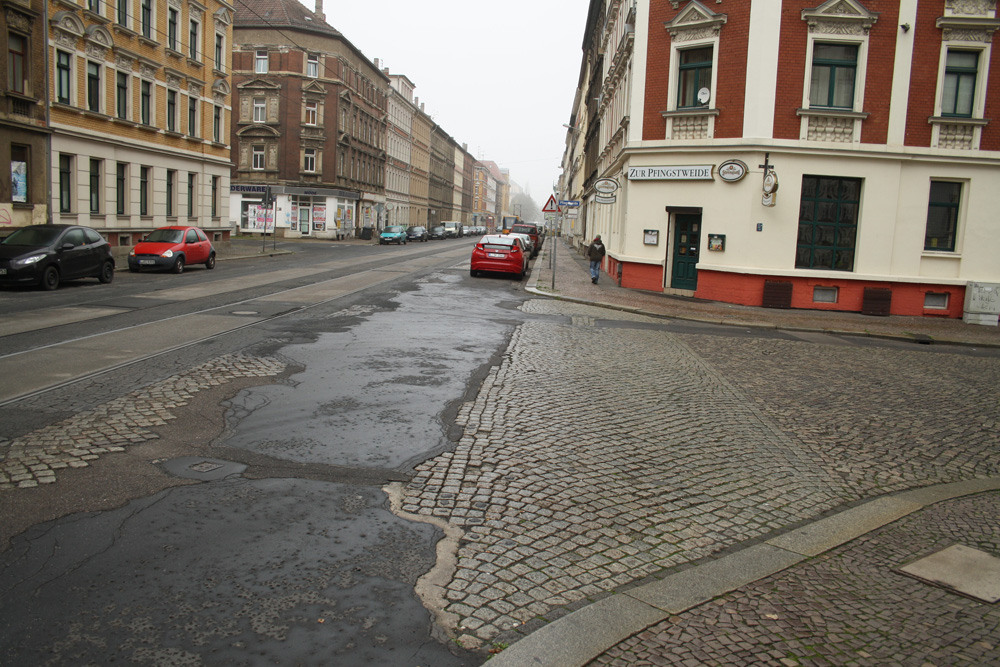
{"points": [[107, 273], [50, 278], [178, 264], [210, 264]]}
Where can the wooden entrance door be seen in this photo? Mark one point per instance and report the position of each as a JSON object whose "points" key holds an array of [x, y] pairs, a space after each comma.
{"points": [[687, 241]]}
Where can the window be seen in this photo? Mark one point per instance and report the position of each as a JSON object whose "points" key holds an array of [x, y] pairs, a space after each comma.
{"points": [[220, 52], [694, 75], [94, 6], [95, 185], [172, 16], [260, 63], [121, 95], [193, 40], [121, 187], [65, 183], [171, 110], [19, 173], [171, 187], [259, 110], [121, 13], [309, 160], [215, 196], [193, 117], [143, 190], [145, 101], [828, 223], [94, 86], [960, 72], [311, 112], [64, 77], [146, 18], [834, 67], [17, 63], [312, 66], [942, 216], [192, 183], [257, 163], [217, 124]]}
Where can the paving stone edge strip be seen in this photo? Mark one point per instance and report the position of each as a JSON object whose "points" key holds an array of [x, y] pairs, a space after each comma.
{"points": [[579, 637]]}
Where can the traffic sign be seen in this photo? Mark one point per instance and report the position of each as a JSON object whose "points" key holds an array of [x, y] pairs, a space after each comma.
{"points": [[568, 202], [551, 206]]}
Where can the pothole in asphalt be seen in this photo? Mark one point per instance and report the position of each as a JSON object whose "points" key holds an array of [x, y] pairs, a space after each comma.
{"points": [[202, 469], [961, 569]]}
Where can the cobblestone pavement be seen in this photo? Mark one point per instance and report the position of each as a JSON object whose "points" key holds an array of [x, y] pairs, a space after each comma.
{"points": [[600, 452], [848, 606], [36, 457]]}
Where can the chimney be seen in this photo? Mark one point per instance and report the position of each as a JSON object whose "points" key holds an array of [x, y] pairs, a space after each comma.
{"points": [[376, 59], [320, 16]]}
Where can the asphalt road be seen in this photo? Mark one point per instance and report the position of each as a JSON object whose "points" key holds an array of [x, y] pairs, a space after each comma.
{"points": [[195, 463]]}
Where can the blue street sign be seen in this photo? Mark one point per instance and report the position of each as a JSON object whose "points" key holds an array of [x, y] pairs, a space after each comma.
{"points": [[569, 202]]}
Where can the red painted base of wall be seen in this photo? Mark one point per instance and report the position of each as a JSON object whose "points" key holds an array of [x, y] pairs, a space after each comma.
{"points": [[907, 298], [637, 276]]}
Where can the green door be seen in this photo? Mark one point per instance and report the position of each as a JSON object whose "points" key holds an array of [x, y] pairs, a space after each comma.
{"points": [[687, 235]]}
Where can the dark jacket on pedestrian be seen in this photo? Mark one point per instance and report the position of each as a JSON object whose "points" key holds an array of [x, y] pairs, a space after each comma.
{"points": [[596, 250]]}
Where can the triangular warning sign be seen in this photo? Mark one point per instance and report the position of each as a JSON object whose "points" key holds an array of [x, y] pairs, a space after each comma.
{"points": [[551, 206]]}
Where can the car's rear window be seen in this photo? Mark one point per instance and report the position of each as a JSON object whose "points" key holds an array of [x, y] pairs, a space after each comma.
{"points": [[496, 246], [524, 229]]}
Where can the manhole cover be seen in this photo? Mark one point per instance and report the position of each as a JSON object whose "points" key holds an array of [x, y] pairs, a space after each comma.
{"points": [[205, 466], [962, 569]]}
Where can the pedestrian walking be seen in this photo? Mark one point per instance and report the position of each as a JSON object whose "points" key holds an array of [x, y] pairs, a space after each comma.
{"points": [[596, 254]]}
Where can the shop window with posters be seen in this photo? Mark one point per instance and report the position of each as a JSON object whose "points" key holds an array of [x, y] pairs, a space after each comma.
{"points": [[18, 173]]}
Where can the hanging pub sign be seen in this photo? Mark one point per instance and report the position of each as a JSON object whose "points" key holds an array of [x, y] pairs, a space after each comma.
{"points": [[732, 171]]}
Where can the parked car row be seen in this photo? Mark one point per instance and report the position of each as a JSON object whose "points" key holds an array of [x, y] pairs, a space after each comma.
{"points": [[48, 255], [400, 234]]}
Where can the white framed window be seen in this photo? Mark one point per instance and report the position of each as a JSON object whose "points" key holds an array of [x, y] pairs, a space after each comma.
{"points": [[121, 12], [312, 113], [960, 76], [944, 212], [123, 94], [64, 77], [146, 102], [257, 158], [259, 110], [194, 33], [217, 124], [171, 110], [146, 14], [193, 130], [95, 89], [173, 18], [833, 76], [260, 62], [220, 52], [309, 160], [312, 65]]}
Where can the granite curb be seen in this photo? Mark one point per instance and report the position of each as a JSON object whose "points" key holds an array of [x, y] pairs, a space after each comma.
{"points": [[583, 635]]}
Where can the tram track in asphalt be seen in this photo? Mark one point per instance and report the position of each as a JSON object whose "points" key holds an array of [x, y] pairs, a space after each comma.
{"points": [[43, 368]]}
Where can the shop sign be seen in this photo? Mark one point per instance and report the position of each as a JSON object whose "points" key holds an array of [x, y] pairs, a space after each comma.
{"points": [[606, 186], [733, 170], [249, 189], [605, 199], [689, 173]]}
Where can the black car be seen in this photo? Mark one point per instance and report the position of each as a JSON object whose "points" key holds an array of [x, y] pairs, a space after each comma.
{"points": [[46, 255], [416, 233], [436, 232]]}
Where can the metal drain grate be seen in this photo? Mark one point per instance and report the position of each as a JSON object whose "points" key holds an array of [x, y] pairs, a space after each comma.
{"points": [[205, 466]]}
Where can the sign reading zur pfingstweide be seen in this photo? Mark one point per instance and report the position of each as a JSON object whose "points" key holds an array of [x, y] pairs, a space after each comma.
{"points": [[689, 173]]}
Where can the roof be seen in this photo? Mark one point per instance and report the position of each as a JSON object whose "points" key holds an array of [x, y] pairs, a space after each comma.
{"points": [[279, 14]]}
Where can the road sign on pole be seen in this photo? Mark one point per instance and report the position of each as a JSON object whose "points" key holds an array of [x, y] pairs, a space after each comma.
{"points": [[551, 206]]}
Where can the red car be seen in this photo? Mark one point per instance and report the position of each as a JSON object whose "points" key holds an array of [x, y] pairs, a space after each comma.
{"points": [[499, 253], [172, 248]]}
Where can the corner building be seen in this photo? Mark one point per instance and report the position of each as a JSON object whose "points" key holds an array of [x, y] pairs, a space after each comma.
{"points": [[840, 155]]}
